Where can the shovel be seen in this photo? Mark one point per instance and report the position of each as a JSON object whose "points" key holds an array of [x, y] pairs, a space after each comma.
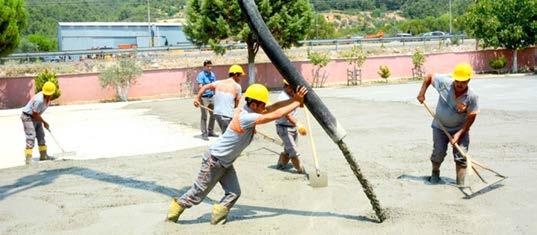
{"points": [[319, 178], [63, 154]]}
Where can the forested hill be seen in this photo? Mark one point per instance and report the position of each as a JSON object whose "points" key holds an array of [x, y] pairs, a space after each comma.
{"points": [[413, 9], [43, 15]]}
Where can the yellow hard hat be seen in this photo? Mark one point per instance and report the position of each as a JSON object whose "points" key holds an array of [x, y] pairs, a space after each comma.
{"points": [[236, 69], [257, 92], [49, 88], [462, 72]]}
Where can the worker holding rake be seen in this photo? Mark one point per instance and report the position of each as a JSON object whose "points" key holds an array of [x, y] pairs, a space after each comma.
{"points": [[287, 128], [33, 122], [217, 163], [456, 110], [227, 94]]}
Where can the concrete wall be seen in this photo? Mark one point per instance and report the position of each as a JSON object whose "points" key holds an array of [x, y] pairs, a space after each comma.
{"points": [[83, 88]]}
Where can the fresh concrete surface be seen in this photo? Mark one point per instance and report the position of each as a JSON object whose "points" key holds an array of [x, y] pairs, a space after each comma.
{"points": [[388, 132]]}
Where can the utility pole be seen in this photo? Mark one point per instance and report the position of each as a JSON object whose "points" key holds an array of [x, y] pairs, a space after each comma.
{"points": [[450, 25], [316, 16], [149, 25]]}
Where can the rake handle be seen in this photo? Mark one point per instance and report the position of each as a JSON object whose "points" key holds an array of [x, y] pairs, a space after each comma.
{"points": [[55, 140], [456, 145]]}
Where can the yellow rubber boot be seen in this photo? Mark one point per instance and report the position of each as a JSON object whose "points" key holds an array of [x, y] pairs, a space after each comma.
{"points": [[28, 156], [219, 214], [43, 156], [174, 211]]}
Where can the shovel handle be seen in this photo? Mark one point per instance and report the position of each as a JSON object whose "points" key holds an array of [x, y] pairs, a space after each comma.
{"points": [[313, 148]]}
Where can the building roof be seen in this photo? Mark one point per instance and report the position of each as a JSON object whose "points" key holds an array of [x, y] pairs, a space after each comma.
{"points": [[115, 24]]}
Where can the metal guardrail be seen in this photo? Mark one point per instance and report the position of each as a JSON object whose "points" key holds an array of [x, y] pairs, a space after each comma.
{"points": [[61, 55]]}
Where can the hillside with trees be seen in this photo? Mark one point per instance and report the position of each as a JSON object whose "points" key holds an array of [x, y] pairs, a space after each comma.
{"points": [[364, 16], [43, 16]]}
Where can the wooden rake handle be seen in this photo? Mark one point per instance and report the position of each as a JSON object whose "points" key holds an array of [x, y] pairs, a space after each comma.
{"points": [[456, 145]]}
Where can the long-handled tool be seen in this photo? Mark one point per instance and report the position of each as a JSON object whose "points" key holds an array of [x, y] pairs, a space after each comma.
{"points": [[265, 136], [470, 161], [63, 154], [319, 178]]}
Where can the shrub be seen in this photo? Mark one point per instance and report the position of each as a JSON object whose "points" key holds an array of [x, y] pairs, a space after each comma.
{"points": [[418, 59], [384, 72], [319, 60], [498, 63], [356, 55], [456, 40], [47, 76], [121, 76]]}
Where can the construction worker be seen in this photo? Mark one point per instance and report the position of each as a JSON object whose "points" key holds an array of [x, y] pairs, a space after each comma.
{"points": [[33, 122], [457, 110], [286, 127], [217, 163], [227, 94], [206, 76]]}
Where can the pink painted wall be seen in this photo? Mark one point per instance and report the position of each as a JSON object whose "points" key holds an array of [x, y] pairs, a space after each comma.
{"points": [[83, 88]]}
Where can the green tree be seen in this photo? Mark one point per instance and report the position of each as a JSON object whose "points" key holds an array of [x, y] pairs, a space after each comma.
{"points": [[209, 22], [319, 60], [12, 22], [418, 9], [321, 29], [43, 43], [121, 76], [26, 46], [511, 24]]}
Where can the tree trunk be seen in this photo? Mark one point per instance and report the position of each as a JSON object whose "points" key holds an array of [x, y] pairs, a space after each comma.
{"points": [[122, 91], [515, 61], [251, 60]]}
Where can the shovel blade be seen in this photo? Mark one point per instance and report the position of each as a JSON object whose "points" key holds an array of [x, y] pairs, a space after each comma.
{"points": [[318, 179]]}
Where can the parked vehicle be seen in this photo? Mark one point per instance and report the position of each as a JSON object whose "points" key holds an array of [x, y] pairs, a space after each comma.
{"points": [[404, 37], [435, 34]]}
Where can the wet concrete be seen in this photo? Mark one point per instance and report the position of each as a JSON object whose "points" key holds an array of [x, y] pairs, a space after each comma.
{"points": [[388, 132]]}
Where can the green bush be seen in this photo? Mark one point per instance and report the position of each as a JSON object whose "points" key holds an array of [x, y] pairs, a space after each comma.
{"points": [[418, 59], [47, 76], [356, 55], [455, 40], [498, 62], [43, 43], [318, 59], [384, 72]]}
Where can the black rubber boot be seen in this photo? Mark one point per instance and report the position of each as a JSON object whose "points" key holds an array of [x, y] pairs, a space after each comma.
{"points": [[435, 177], [461, 173]]}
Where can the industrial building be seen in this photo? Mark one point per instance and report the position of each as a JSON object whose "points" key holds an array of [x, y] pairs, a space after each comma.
{"points": [[102, 35]]}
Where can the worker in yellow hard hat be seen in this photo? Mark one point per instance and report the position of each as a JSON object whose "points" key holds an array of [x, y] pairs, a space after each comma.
{"points": [[227, 94], [33, 122], [217, 163], [457, 110], [287, 129]]}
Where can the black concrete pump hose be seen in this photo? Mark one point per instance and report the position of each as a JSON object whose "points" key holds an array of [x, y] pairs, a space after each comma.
{"points": [[312, 101]]}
